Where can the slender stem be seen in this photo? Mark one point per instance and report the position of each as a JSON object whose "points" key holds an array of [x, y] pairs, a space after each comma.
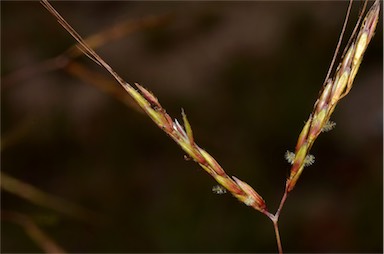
{"points": [[276, 227], [269, 215], [275, 220], [282, 202]]}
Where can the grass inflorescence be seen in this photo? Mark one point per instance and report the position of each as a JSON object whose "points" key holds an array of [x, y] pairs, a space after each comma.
{"points": [[333, 90]]}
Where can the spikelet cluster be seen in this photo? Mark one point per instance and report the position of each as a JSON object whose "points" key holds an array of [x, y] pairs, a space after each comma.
{"points": [[334, 90], [183, 136]]}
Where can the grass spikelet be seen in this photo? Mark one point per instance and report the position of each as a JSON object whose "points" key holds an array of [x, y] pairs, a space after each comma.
{"points": [[188, 128], [252, 198]]}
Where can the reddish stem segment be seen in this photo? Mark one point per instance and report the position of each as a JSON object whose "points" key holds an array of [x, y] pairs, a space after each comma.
{"points": [[275, 221], [276, 227]]}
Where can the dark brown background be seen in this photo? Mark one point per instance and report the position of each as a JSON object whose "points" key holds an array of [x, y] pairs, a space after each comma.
{"points": [[247, 74]]}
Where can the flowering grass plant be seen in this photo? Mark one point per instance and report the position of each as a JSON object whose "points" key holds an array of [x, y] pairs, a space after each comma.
{"points": [[336, 86]]}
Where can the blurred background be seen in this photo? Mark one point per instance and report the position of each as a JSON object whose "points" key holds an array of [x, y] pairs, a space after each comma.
{"points": [[85, 168]]}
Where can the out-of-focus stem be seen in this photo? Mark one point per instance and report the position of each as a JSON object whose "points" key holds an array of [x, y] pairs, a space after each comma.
{"points": [[36, 196], [35, 233], [97, 40]]}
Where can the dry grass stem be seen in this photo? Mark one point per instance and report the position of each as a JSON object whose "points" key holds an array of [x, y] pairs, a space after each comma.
{"points": [[39, 197], [97, 40], [42, 239], [100, 81], [16, 134]]}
